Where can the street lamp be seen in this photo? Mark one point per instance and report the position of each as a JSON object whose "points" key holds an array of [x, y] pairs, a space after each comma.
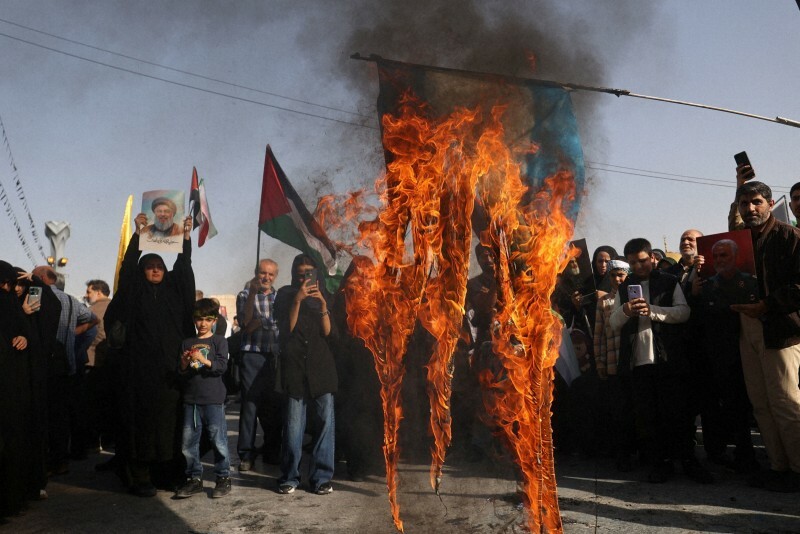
{"points": [[58, 232], [51, 261]]}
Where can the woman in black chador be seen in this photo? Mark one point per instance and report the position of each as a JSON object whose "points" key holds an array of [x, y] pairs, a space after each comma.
{"points": [[149, 317], [15, 397]]}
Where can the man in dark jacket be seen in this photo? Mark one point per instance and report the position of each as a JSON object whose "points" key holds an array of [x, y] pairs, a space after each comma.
{"points": [[770, 338], [652, 353]]}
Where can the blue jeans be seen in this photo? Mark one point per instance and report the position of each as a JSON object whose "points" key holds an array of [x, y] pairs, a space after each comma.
{"points": [[322, 462], [212, 418], [259, 401]]}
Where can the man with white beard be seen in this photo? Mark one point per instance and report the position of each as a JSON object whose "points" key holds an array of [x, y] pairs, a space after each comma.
{"points": [[163, 225], [686, 267]]}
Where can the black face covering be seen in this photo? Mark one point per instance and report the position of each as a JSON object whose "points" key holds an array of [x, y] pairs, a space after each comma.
{"points": [[297, 282]]}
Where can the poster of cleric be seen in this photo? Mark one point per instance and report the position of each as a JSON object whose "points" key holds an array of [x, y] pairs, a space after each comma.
{"points": [[164, 229]]}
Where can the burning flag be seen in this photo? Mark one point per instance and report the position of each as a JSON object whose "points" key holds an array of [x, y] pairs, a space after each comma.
{"points": [[198, 207], [284, 217], [449, 136]]}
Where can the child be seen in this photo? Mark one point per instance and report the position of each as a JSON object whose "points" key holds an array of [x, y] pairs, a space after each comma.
{"points": [[203, 363]]}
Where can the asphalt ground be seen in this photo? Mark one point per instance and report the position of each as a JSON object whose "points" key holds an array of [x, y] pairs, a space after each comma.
{"points": [[475, 497]]}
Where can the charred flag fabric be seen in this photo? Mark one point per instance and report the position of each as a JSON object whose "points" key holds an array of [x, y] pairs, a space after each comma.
{"points": [[537, 113]]}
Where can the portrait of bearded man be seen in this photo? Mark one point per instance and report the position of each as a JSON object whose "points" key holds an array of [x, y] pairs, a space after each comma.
{"points": [[164, 210]]}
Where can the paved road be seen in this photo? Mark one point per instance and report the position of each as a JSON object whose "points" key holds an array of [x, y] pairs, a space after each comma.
{"points": [[476, 498]]}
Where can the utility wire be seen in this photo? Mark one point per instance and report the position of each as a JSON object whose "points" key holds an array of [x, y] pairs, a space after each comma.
{"points": [[9, 208], [188, 73], [688, 181], [658, 172], [18, 187], [185, 85]]}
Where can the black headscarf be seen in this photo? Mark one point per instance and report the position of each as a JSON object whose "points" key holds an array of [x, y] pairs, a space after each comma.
{"points": [[312, 303], [8, 273], [612, 254]]}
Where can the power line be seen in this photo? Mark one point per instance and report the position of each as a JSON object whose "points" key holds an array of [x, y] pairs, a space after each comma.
{"points": [[667, 178], [188, 73], [9, 208], [185, 85], [590, 165], [659, 172]]}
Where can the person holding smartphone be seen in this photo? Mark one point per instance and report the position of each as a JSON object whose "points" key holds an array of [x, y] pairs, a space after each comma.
{"points": [[653, 356], [308, 376], [744, 173]]}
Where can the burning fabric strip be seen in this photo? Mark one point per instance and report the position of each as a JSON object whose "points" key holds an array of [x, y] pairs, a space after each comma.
{"points": [[468, 151]]}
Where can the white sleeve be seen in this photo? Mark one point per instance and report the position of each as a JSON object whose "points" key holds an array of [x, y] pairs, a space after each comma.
{"points": [[677, 313], [618, 319]]}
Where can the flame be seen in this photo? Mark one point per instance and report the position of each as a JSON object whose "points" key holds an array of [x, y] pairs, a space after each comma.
{"points": [[421, 244], [429, 190], [531, 252], [337, 213]]}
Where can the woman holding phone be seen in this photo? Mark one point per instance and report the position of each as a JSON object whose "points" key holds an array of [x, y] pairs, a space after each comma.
{"points": [[308, 376]]}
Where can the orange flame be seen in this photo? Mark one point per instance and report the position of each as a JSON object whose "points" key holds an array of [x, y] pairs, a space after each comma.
{"points": [[336, 214], [531, 245], [429, 193], [429, 190]]}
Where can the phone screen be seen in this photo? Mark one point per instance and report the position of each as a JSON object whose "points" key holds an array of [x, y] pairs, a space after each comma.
{"points": [[34, 294], [634, 292]]}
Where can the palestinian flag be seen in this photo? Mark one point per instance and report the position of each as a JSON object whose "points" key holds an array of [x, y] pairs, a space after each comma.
{"points": [[198, 207], [284, 217]]}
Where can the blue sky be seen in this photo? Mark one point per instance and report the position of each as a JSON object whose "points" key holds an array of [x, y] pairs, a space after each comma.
{"points": [[85, 136]]}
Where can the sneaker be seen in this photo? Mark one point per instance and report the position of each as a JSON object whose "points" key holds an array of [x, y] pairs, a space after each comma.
{"points": [[191, 487], [695, 471], [222, 487], [285, 489], [324, 489], [661, 472], [245, 465]]}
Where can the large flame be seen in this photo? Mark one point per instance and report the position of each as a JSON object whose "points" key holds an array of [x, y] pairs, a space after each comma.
{"points": [[429, 192]]}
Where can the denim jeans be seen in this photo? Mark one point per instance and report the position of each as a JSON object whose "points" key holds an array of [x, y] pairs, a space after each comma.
{"points": [[322, 462], [259, 401], [196, 417]]}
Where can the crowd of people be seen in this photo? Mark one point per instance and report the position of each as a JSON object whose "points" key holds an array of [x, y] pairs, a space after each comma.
{"points": [[147, 373], [661, 347]]}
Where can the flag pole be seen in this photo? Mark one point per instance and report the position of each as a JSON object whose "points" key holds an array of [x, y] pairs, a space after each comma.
{"points": [[577, 87], [258, 247]]}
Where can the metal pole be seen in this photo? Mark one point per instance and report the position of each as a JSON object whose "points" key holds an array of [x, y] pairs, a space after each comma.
{"points": [[576, 87]]}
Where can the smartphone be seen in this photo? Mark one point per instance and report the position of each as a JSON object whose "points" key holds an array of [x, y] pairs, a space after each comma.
{"points": [[34, 295], [635, 292], [741, 158], [312, 276]]}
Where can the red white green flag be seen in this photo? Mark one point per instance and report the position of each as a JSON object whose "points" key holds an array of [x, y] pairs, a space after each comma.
{"points": [[198, 207], [284, 217]]}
